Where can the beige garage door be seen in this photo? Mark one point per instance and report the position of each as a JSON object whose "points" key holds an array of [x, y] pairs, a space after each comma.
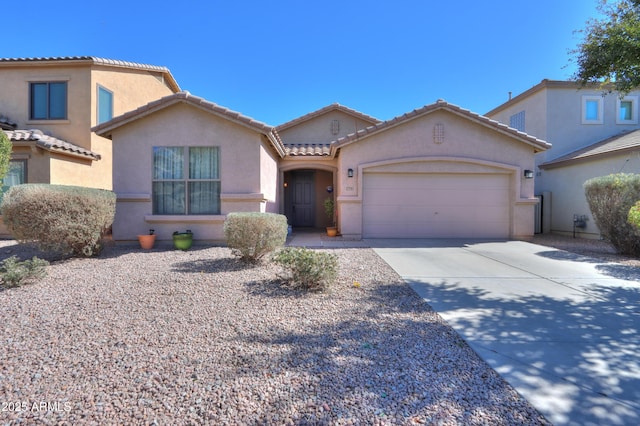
{"points": [[424, 205]]}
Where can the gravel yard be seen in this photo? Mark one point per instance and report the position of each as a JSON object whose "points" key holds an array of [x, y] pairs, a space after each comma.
{"points": [[170, 337]]}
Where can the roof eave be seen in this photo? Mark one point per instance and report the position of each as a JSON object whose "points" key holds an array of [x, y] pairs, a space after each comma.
{"points": [[554, 164], [168, 78], [324, 110], [537, 144], [56, 150], [106, 129]]}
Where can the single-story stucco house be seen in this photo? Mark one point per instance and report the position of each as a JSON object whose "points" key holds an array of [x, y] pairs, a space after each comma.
{"points": [[182, 162]]}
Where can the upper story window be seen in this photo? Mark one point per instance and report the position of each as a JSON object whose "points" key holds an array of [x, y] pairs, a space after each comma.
{"points": [[186, 180], [48, 100], [516, 121], [592, 110], [627, 110], [105, 105]]}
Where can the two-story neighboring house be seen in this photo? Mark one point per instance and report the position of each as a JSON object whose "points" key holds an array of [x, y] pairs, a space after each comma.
{"points": [[49, 105], [592, 134]]}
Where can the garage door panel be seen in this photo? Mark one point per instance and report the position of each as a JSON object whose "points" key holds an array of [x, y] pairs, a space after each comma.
{"points": [[435, 205]]}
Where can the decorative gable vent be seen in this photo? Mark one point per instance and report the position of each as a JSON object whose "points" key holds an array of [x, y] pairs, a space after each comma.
{"points": [[335, 127], [438, 133]]}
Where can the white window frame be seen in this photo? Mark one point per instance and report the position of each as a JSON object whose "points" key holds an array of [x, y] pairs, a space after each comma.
{"points": [[634, 110], [585, 100]]}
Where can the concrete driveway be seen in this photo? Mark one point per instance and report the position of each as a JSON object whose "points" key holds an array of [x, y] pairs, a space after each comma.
{"points": [[563, 329]]}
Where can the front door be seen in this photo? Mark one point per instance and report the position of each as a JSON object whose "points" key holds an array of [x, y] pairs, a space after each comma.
{"points": [[302, 199]]}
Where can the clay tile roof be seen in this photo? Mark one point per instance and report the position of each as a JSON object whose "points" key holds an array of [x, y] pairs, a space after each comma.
{"points": [[440, 104], [625, 142], [324, 110], [307, 149], [49, 143], [171, 82], [106, 129]]}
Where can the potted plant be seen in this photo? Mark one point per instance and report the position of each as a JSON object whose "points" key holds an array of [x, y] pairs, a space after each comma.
{"points": [[183, 240], [330, 210], [147, 241]]}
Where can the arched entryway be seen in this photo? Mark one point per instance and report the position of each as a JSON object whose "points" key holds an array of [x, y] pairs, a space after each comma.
{"points": [[305, 191]]}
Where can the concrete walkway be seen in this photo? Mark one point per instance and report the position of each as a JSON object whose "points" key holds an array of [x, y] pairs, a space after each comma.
{"points": [[561, 328], [314, 238]]}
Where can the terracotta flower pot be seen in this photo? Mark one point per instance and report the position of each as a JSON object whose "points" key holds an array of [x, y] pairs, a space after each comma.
{"points": [[332, 231], [147, 241]]}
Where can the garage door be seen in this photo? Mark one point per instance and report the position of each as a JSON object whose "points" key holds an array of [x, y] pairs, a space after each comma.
{"points": [[425, 205]]}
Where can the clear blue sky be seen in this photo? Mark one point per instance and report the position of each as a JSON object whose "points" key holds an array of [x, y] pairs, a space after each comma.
{"points": [[276, 60]]}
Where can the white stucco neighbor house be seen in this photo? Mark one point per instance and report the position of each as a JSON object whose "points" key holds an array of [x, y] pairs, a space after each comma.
{"points": [[182, 162], [592, 133]]}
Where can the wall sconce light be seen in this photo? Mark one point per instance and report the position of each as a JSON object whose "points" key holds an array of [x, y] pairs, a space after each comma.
{"points": [[528, 174], [350, 173], [286, 184]]}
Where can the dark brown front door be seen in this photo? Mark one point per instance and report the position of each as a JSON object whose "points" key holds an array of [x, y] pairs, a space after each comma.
{"points": [[302, 199]]}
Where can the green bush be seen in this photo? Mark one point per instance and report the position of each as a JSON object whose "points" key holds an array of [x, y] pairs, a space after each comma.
{"points": [[253, 235], [308, 269], [610, 198], [5, 155], [67, 220], [633, 218], [15, 273]]}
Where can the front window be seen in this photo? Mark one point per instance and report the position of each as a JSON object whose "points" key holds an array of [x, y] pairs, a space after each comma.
{"points": [[16, 175], [627, 110], [48, 100], [516, 121], [186, 180], [105, 105], [592, 110]]}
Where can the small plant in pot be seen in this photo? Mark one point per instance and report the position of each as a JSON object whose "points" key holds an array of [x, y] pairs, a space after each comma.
{"points": [[183, 240], [330, 210], [147, 241]]}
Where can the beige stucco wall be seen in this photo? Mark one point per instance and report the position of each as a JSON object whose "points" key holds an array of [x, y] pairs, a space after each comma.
{"points": [[468, 148], [131, 89], [268, 177], [318, 129], [242, 156], [568, 199], [535, 107]]}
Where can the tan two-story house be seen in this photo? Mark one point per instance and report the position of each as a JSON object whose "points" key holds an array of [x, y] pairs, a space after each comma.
{"points": [[49, 105], [593, 133]]}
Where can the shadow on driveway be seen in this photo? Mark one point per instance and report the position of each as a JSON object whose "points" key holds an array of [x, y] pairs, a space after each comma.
{"points": [[562, 328]]}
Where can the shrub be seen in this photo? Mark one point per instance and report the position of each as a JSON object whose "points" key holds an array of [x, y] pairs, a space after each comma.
{"points": [[253, 235], [633, 218], [68, 220], [15, 273], [305, 268], [5, 155], [610, 198]]}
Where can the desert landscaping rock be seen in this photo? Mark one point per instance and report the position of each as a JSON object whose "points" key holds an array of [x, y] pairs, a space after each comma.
{"points": [[195, 337]]}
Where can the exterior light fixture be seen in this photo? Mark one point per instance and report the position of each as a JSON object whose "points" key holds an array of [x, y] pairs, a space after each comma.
{"points": [[528, 174], [350, 173], [286, 184]]}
